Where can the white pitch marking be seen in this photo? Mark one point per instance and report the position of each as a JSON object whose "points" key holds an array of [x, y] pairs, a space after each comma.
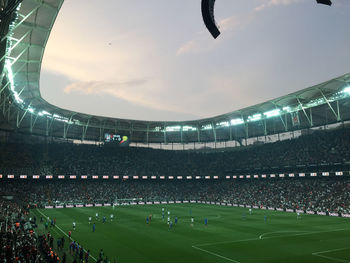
{"points": [[64, 233], [287, 231], [215, 254], [258, 238], [331, 258]]}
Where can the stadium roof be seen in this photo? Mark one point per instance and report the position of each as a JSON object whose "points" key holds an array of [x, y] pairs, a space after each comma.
{"points": [[25, 109]]}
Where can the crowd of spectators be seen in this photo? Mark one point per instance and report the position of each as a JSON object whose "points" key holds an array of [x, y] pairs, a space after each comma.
{"points": [[317, 194], [317, 149], [18, 241]]}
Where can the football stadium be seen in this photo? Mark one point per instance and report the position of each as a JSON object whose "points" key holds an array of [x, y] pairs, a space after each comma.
{"points": [[265, 183]]}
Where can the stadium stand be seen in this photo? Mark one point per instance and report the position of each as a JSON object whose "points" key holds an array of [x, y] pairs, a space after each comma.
{"points": [[317, 151], [319, 195]]}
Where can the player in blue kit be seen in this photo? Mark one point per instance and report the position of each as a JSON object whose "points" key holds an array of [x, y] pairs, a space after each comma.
{"points": [[147, 220], [104, 219], [205, 221], [93, 227], [175, 220]]}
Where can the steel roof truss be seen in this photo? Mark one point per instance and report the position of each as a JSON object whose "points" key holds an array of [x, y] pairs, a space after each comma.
{"points": [[307, 117], [21, 22], [337, 116]]}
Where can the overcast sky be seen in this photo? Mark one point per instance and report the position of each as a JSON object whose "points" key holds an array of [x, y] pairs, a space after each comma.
{"points": [[155, 60]]}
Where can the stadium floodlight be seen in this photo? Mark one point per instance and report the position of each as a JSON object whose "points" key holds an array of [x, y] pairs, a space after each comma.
{"points": [[237, 121], [324, 2], [346, 90], [287, 109], [188, 128], [223, 124], [207, 127], [255, 117], [172, 128], [44, 113], [272, 113], [208, 17]]}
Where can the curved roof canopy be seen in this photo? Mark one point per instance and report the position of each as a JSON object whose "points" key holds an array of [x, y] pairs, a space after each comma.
{"points": [[26, 39]]}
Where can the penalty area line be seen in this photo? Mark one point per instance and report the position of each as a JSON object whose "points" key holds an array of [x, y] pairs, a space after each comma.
{"points": [[261, 237], [317, 254], [215, 254], [65, 233]]}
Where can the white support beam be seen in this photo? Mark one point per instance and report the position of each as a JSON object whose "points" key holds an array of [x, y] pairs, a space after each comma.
{"points": [[214, 131], [338, 110], [21, 22], [198, 134], [329, 105], [181, 134], [32, 123], [302, 107], [18, 41], [85, 127], [8, 82], [24, 114], [34, 26], [49, 124], [164, 131], [147, 134]]}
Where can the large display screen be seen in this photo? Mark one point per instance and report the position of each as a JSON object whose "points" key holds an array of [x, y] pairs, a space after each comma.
{"points": [[121, 140]]}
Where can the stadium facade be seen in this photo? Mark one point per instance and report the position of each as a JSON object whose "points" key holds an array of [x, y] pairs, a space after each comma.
{"points": [[25, 27]]}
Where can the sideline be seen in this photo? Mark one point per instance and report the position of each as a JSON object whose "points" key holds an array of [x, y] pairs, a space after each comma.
{"points": [[45, 216]]}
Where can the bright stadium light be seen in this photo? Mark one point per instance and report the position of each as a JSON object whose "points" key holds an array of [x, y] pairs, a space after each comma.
{"points": [[44, 113], [255, 117], [272, 113], [237, 121], [207, 127], [173, 128], [347, 90], [223, 124], [287, 109], [188, 128], [11, 81], [157, 129]]}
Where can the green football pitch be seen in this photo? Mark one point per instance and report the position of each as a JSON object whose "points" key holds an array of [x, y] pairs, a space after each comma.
{"points": [[232, 234]]}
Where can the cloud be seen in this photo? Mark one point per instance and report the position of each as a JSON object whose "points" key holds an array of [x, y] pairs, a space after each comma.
{"points": [[271, 3], [135, 91], [100, 87], [228, 26], [188, 47], [126, 90]]}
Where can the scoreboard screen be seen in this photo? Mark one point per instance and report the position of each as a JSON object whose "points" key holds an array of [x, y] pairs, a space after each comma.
{"points": [[117, 139]]}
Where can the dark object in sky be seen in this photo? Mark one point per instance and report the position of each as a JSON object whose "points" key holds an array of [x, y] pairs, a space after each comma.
{"points": [[209, 20], [208, 17], [325, 2]]}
